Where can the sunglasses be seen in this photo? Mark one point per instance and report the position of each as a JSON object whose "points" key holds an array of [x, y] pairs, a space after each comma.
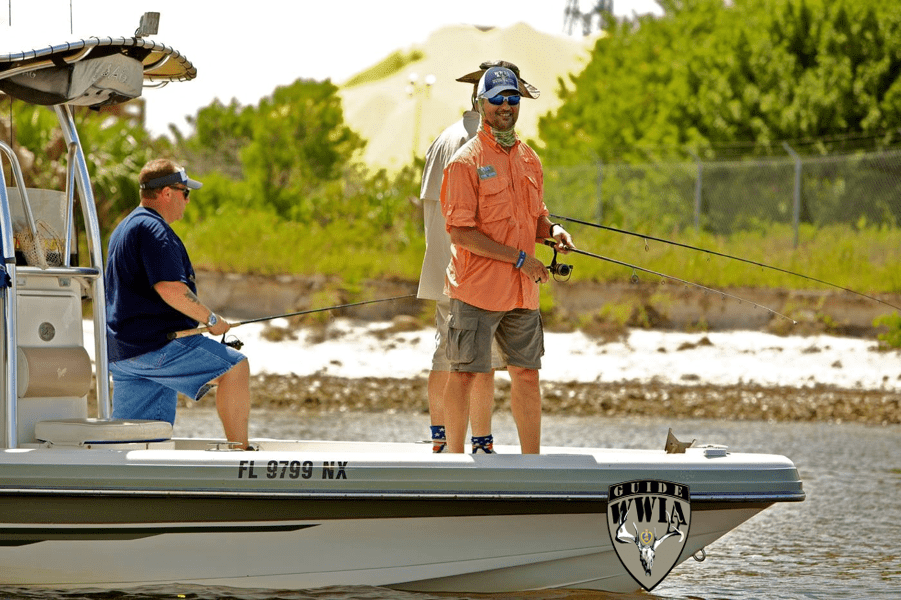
{"points": [[511, 100], [184, 191]]}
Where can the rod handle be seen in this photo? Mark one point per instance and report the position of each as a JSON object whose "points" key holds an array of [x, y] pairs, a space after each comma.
{"points": [[186, 332]]}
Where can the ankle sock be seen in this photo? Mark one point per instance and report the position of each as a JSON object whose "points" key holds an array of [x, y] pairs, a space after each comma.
{"points": [[439, 441], [483, 443]]}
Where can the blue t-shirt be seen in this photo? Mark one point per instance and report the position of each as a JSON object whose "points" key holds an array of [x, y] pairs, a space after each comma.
{"points": [[143, 250]]}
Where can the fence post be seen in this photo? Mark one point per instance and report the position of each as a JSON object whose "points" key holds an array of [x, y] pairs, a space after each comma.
{"points": [[797, 192], [698, 188], [600, 182]]}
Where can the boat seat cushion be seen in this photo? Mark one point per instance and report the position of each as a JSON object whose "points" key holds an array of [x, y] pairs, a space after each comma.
{"points": [[74, 432]]}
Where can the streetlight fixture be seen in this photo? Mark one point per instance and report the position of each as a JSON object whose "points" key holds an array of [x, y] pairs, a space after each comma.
{"points": [[415, 90]]}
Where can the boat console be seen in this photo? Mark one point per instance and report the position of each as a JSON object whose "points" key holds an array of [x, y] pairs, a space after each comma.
{"points": [[45, 366]]}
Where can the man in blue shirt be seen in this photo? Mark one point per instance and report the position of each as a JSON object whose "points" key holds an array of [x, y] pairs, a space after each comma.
{"points": [[150, 293]]}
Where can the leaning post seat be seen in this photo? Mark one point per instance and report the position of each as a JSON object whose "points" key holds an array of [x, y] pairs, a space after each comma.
{"points": [[53, 371], [89, 431]]}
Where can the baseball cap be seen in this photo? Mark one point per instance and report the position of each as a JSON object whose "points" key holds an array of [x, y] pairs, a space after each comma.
{"points": [[497, 80], [172, 179]]}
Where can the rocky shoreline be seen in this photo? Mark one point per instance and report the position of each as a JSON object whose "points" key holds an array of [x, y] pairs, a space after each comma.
{"points": [[816, 312], [677, 309], [321, 393], [327, 394]]}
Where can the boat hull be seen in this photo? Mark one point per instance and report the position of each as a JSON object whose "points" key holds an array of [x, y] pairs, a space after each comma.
{"points": [[368, 514], [478, 554]]}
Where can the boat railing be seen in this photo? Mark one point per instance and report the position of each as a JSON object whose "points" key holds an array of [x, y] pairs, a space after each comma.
{"points": [[77, 179], [36, 239], [8, 294]]}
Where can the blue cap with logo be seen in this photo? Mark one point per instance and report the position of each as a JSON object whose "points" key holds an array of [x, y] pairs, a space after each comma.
{"points": [[496, 80]]}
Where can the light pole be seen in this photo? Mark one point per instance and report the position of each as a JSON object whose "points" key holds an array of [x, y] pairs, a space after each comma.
{"points": [[415, 91]]}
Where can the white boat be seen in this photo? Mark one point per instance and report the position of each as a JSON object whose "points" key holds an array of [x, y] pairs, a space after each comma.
{"points": [[90, 502]]}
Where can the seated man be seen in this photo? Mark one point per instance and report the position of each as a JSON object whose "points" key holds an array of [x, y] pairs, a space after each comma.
{"points": [[150, 293]]}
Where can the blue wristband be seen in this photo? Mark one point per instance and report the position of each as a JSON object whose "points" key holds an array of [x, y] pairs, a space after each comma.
{"points": [[521, 259]]}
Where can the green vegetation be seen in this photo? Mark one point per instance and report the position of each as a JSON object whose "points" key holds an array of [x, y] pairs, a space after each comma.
{"points": [[865, 260], [288, 195], [751, 75], [892, 336], [285, 191]]}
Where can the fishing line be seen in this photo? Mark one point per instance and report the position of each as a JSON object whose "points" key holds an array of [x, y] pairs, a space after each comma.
{"points": [[664, 277], [202, 329], [715, 253]]}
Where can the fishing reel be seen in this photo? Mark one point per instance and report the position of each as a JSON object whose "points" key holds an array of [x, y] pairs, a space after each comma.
{"points": [[232, 342], [560, 271]]}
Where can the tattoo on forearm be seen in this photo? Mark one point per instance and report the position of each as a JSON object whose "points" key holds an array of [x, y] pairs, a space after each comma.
{"points": [[192, 297]]}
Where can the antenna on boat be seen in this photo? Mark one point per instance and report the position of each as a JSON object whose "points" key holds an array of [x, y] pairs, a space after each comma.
{"points": [[149, 25]]}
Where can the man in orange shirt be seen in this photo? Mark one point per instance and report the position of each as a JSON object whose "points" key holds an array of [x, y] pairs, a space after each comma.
{"points": [[492, 202]]}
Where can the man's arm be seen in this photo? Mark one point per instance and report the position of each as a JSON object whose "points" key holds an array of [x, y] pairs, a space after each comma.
{"points": [[180, 297], [477, 242]]}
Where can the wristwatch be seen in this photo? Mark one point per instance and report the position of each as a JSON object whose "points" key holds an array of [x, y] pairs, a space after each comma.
{"points": [[212, 320]]}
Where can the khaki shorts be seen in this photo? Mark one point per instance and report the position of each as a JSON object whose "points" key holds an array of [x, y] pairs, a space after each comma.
{"points": [[439, 358], [518, 333]]}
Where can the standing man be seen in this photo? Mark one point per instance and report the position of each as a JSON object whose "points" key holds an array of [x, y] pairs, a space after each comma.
{"points": [[434, 265], [492, 200], [150, 293]]}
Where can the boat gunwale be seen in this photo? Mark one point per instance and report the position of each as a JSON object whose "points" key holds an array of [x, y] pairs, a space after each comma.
{"points": [[601, 496]]}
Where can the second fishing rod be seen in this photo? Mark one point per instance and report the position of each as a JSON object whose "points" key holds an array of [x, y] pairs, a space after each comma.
{"points": [[647, 237], [663, 277]]}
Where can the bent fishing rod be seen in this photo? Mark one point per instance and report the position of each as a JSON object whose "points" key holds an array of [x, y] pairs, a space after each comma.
{"points": [[723, 255], [204, 328], [665, 277]]}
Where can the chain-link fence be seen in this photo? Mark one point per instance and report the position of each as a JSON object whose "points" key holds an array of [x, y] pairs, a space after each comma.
{"points": [[722, 197]]}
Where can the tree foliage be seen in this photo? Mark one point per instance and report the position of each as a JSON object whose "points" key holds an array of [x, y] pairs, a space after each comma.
{"points": [[286, 150], [757, 71], [115, 150], [291, 160]]}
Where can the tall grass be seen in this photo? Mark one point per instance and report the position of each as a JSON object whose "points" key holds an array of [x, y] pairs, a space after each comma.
{"points": [[260, 242], [255, 241], [864, 260]]}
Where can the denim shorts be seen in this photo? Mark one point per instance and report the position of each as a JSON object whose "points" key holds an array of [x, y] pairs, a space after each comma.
{"points": [[147, 386]]}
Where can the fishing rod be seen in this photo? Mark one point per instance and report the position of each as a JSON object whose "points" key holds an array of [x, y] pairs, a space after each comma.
{"points": [[204, 328], [634, 268], [723, 255]]}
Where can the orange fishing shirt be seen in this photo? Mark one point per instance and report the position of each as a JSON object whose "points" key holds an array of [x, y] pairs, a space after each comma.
{"points": [[501, 195]]}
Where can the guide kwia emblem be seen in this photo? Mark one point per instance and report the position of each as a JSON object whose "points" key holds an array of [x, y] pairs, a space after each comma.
{"points": [[648, 521]]}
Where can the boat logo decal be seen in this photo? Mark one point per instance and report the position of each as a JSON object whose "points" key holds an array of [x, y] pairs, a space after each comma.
{"points": [[648, 522], [283, 469]]}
